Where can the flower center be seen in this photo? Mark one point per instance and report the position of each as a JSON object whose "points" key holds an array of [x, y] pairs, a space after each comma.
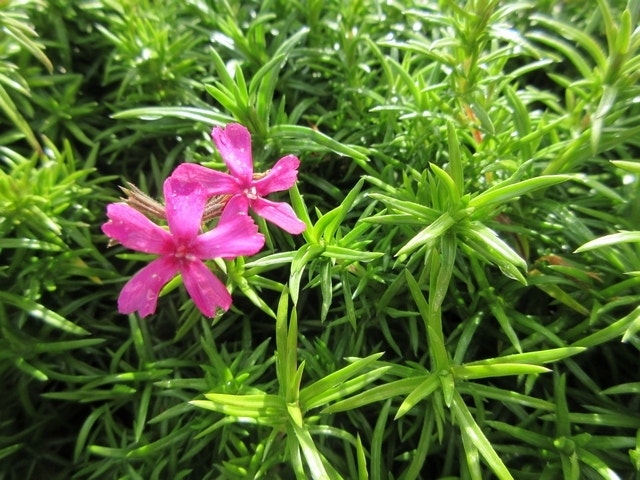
{"points": [[251, 193], [183, 253]]}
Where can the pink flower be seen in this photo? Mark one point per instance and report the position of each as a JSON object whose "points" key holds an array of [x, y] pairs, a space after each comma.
{"points": [[182, 248], [234, 145]]}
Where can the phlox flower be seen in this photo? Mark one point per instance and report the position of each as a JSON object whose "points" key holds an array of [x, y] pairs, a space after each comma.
{"points": [[234, 144], [181, 248]]}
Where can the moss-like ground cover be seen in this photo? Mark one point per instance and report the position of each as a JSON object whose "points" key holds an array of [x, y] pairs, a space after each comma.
{"points": [[462, 304]]}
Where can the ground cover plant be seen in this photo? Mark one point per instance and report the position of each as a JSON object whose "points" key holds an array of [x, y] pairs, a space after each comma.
{"points": [[375, 239]]}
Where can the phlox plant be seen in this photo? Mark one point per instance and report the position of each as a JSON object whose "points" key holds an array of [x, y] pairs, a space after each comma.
{"points": [[385, 240]]}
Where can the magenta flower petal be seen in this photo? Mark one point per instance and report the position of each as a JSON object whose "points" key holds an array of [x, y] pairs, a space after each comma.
{"points": [[280, 214], [234, 145], [282, 176], [238, 204], [135, 231], [206, 290], [235, 235], [214, 182], [184, 204], [141, 292]]}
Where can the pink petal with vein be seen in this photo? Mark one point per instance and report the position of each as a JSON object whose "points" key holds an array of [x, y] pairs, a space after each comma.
{"points": [[141, 292], [281, 177], [236, 235], [238, 204], [206, 290], [214, 182], [184, 204], [234, 144], [280, 214], [135, 231]]}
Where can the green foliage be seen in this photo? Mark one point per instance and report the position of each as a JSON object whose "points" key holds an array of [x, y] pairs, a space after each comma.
{"points": [[462, 304]]}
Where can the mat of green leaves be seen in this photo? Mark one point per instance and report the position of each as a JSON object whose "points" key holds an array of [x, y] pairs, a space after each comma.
{"points": [[455, 291]]}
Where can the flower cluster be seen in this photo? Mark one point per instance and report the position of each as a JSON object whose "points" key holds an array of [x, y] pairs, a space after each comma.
{"points": [[193, 195]]}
